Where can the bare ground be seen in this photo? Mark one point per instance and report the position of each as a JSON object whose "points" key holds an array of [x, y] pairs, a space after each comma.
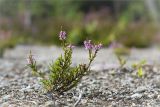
{"points": [[106, 85]]}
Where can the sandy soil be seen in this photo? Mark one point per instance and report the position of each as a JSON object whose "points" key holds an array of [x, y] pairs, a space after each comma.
{"points": [[106, 85]]}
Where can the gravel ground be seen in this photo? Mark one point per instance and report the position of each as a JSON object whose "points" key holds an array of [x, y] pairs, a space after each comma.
{"points": [[105, 86]]}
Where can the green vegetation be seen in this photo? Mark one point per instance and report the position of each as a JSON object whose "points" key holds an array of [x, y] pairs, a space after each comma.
{"points": [[63, 76], [40, 20], [139, 68]]}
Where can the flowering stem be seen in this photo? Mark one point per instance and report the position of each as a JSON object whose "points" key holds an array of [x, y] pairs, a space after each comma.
{"points": [[90, 54], [91, 58]]}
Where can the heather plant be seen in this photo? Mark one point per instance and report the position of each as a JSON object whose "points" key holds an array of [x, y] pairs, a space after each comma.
{"points": [[62, 76], [139, 68]]}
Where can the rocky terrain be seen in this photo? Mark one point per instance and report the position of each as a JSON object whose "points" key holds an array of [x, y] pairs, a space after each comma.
{"points": [[105, 86]]}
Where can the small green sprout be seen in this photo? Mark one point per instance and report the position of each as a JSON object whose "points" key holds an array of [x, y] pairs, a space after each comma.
{"points": [[62, 76], [120, 51], [121, 61], [140, 72], [139, 68]]}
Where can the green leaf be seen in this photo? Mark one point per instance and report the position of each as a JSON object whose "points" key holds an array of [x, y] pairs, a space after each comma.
{"points": [[134, 65], [140, 72], [140, 64]]}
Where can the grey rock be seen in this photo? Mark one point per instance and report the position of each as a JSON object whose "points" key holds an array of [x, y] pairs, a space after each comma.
{"points": [[6, 97], [49, 104], [37, 86], [136, 96], [26, 89], [140, 89]]}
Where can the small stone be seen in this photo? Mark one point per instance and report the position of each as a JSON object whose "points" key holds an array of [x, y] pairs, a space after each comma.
{"points": [[110, 99], [26, 89], [6, 97], [133, 104], [114, 104], [83, 101], [140, 89], [57, 103], [136, 96], [37, 86], [151, 95], [155, 69], [69, 100], [49, 104]]}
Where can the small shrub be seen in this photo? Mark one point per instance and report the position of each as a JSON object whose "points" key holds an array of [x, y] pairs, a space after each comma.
{"points": [[63, 76], [139, 68]]}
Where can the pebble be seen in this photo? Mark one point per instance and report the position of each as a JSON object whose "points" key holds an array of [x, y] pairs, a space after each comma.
{"points": [[151, 95], [37, 86], [101, 88], [26, 89], [6, 97], [49, 104], [140, 89], [136, 96]]}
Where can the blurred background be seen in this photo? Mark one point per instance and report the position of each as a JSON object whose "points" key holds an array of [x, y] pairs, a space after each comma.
{"points": [[133, 23]]}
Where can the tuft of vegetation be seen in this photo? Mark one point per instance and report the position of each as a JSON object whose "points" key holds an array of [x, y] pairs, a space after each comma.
{"points": [[121, 61], [139, 68], [131, 24], [63, 76]]}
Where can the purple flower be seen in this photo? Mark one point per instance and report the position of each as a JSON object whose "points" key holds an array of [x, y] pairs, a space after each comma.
{"points": [[70, 46], [98, 47], [62, 35], [88, 45]]}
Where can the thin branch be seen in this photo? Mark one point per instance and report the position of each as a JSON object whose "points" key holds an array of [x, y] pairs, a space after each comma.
{"points": [[79, 98]]}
